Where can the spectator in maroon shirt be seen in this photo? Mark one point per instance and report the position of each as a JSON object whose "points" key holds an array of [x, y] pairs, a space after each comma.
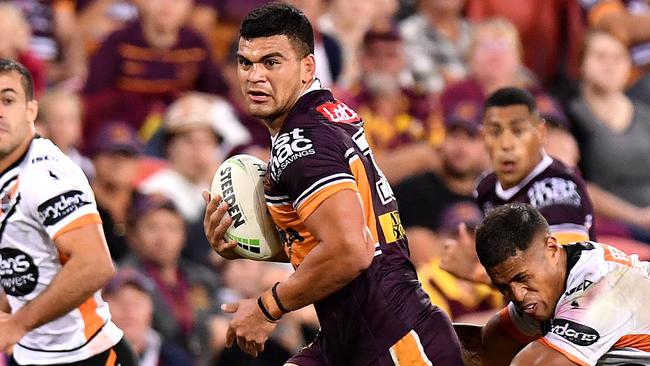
{"points": [[143, 67]]}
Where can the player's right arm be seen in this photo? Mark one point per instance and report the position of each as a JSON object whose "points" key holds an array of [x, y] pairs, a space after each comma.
{"points": [[346, 249]]}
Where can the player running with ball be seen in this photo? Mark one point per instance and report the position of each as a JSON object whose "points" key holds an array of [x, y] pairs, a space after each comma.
{"points": [[337, 213]]}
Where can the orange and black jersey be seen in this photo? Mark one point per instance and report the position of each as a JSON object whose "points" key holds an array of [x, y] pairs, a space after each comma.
{"points": [[320, 150]]}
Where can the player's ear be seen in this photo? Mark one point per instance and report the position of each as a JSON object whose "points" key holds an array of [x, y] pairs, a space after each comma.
{"points": [[541, 128], [552, 246], [32, 110], [308, 68]]}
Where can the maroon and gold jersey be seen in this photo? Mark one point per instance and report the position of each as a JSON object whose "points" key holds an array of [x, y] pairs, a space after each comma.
{"points": [[320, 150], [555, 190]]}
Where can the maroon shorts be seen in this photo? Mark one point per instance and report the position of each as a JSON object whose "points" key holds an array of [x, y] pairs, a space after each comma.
{"points": [[432, 342]]}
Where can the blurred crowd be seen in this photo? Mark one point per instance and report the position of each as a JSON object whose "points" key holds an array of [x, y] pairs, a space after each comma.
{"points": [[143, 95]]}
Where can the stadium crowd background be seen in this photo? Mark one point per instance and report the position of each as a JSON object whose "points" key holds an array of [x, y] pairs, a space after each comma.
{"points": [[143, 95]]}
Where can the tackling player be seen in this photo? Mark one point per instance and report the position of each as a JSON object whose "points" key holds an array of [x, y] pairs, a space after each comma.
{"points": [[336, 211], [585, 303], [53, 255]]}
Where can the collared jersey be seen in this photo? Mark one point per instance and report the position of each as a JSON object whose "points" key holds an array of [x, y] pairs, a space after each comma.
{"points": [[552, 188], [43, 195], [320, 150], [602, 318]]}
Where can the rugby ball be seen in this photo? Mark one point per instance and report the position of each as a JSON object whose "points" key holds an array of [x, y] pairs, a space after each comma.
{"points": [[240, 183]]}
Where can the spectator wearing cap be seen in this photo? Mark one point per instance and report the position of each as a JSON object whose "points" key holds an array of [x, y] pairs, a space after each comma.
{"points": [[142, 68], [129, 295], [192, 138], [423, 198], [115, 151], [495, 61], [60, 120], [398, 120], [437, 41], [184, 291]]}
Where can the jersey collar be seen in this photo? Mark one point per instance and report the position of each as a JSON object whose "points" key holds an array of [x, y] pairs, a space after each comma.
{"points": [[507, 194]]}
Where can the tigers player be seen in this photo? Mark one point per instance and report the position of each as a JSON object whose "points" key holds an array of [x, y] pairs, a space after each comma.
{"points": [[53, 255], [584, 303], [337, 213]]}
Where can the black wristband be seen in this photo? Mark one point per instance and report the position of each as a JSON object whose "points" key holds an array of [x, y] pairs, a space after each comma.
{"points": [[277, 298], [266, 313]]}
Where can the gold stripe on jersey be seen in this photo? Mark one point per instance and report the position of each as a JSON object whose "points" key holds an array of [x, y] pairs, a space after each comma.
{"points": [[408, 351], [566, 238]]}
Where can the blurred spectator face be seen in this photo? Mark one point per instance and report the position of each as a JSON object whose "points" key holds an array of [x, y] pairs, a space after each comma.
{"points": [[15, 31], [444, 6], [382, 62], [132, 311], [354, 12], [495, 51], [61, 117], [513, 137], [158, 236], [193, 153], [166, 15], [313, 9], [243, 277], [116, 169], [463, 153], [606, 64], [561, 145]]}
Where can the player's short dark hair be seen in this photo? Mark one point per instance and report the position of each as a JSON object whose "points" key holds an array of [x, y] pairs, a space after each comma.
{"points": [[509, 96], [505, 230], [277, 19], [7, 65]]}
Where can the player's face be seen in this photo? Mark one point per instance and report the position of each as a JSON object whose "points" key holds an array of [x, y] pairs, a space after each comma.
{"points": [[532, 279], [17, 114], [272, 76], [514, 138]]}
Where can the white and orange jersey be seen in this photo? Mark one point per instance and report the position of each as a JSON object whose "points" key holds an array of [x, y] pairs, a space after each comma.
{"points": [[43, 195], [603, 317]]}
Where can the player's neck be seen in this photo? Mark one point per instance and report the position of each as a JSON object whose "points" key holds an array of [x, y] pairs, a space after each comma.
{"points": [[9, 159], [274, 124]]}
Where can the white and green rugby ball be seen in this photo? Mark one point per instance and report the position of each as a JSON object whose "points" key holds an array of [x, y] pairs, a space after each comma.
{"points": [[240, 183]]}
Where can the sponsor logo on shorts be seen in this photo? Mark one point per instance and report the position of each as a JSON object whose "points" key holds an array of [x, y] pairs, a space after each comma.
{"points": [[575, 333], [228, 193], [554, 191], [57, 208], [338, 112], [18, 274], [391, 226], [289, 147]]}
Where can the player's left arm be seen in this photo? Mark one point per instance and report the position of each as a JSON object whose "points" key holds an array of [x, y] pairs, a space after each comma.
{"points": [[346, 249], [87, 268], [538, 354]]}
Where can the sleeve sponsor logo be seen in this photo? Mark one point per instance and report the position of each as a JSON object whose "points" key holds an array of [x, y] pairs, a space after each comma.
{"points": [[581, 287], [338, 112], [289, 147], [575, 333], [554, 191], [57, 208], [391, 226], [18, 274]]}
